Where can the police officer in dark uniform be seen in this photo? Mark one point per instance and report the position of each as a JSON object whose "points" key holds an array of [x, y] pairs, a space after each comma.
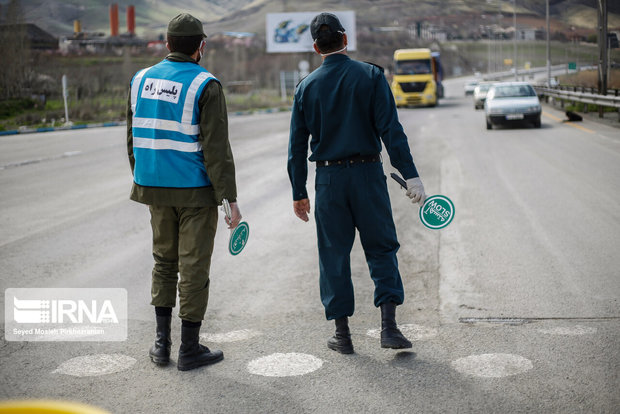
{"points": [[183, 167], [348, 109]]}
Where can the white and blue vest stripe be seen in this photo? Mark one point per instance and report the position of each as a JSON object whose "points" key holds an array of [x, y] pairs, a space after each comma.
{"points": [[166, 125]]}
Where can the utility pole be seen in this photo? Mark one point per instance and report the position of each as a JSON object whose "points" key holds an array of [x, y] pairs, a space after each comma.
{"points": [[548, 47], [488, 49], [602, 51], [65, 94], [514, 39]]}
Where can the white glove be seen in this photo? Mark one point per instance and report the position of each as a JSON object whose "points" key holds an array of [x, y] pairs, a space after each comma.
{"points": [[415, 190]]}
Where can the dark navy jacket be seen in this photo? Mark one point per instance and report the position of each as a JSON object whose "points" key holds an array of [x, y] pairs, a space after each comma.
{"points": [[348, 109]]}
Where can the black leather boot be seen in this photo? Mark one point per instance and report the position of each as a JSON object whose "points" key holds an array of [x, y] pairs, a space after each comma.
{"points": [[391, 337], [192, 354], [341, 341], [160, 351]]}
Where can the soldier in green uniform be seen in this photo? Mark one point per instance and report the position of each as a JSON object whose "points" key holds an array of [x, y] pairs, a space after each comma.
{"points": [[183, 167]]}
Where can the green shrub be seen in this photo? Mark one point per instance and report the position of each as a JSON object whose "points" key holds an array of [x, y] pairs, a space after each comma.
{"points": [[13, 107], [54, 104], [581, 107]]}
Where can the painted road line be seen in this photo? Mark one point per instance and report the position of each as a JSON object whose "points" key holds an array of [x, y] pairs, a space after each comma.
{"points": [[492, 365], [562, 121], [95, 365], [26, 130], [38, 160], [411, 331], [232, 336], [284, 365]]}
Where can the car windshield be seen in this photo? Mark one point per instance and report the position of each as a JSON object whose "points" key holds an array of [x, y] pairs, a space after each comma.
{"points": [[513, 91], [413, 67], [483, 87]]}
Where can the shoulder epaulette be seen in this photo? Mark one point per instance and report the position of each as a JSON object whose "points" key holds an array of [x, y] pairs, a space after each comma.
{"points": [[374, 64], [300, 81]]}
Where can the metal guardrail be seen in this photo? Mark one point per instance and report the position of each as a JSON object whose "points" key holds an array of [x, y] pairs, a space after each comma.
{"points": [[521, 72], [568, 93], [613, 92], [582, 97]]}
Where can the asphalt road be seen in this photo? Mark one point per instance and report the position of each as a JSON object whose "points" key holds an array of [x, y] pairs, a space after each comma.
{"points": [[514, 307]]}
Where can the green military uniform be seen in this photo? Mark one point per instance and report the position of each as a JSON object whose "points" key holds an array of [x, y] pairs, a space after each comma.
{"points": [[184, 220]]}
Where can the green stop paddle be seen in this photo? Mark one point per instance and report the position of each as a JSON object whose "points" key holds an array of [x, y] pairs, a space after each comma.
{"points": [[239, 235], [437, 211]]}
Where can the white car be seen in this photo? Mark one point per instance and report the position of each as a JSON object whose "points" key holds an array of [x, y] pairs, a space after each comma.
{"points": [[480, 94], [511, 102], [470, 86]]}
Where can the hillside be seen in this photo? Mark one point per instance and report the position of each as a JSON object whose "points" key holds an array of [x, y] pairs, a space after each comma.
{"points": [[57, 16]]}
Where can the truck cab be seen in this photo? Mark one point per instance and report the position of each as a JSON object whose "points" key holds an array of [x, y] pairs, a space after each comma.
{"points": [[415, 78]]}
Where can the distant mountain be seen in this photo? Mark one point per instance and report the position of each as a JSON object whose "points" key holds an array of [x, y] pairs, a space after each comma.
{"points": [[152, 16]]}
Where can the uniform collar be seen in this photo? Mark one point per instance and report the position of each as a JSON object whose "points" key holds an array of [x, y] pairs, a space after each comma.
{"points": [[179, 57], [339, 57]]}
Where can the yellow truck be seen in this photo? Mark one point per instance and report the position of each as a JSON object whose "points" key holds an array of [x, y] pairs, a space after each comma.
{"points": [[417, 77]]}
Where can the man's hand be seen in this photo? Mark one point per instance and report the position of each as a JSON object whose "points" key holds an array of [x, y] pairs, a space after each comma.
{"points": [[235, 216], [302, 208], [415, 191]]}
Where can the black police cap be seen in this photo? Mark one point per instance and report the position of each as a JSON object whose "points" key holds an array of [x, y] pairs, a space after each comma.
{"points": [[327, 19]]}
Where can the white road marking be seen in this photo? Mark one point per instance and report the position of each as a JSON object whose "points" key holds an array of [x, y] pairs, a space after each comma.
{"points": [[232, 336], [411, 331], [71, 153], [492, 365], [38, 160], [564, 330], [95, 365], [284, 365]]}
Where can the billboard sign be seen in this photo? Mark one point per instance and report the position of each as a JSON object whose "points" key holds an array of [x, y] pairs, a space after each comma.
{"points": [[290, 32]]}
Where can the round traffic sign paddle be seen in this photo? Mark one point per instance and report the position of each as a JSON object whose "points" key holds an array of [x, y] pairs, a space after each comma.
{"points": [[239, 235], [437, 212], [238, 238]]}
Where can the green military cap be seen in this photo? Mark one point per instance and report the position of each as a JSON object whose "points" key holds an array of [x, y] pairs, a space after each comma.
{"points": [[185, 25]]}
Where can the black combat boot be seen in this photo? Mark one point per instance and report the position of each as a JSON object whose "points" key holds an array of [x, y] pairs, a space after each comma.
{"points": [[160, 351], [191, 353], [341, 341], [391, 337]]}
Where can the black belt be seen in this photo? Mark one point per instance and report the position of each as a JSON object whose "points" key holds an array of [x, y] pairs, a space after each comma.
{"points": [[356, 159]]}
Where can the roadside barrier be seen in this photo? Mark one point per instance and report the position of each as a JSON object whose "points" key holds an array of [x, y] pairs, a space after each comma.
{"points": [[582, 97], [26, 130]]}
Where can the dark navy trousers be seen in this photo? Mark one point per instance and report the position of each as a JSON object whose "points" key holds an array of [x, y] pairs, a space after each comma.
{"points": [[350, 197]]}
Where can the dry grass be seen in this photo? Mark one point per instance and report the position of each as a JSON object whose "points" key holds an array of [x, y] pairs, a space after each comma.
{"points": [[589, 79], [583, 16]]}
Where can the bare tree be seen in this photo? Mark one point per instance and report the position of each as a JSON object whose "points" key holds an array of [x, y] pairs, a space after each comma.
{"points": [[15, 52]]}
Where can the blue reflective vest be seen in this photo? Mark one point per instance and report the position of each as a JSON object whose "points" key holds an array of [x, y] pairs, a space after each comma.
{"points": [[166, 125]]}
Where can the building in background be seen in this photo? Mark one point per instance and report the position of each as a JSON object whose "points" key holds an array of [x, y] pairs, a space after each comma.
{"points": [[36, 37]]}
